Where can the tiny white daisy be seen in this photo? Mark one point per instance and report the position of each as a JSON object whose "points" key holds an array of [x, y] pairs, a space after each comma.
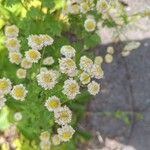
{"points": [[65, 133], [63, 115], [47, 40], [68, 51], [15, 57], [12, 44], [48, 61], [93, 88], [102, 6], [85, 78], [19, 92], [97, 72], [98, 60], [45, 136], [108, 58], [33, 55], [26, 64], [52, 103], [90, 24], [56, 139], [47, 79], [21, 73], [45, 145], [68, 66], [71, 88], [11, 31], [5, 86]]}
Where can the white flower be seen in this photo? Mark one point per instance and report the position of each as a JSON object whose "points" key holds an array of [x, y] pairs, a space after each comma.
{"points": [[48, 61], [71, 88], [19, 92], [56, 139], [17, 116], [47, 79], [52, 103], [86, 64], [45, 136], [15, 57], [26, 64], [98, 60], [90, 24], [12, 44], [68, 51], [108, 58], [33, 55], [73, 8], [125, 53], [47, 40], [63, 115], [2, 102], [45, 145], [93, 88], [21, 73], [84, 7], [85, 78], [5, 86], [35, 42], [68, 66], [102, 6], [65, 133], [97, 72], [11, 31]]}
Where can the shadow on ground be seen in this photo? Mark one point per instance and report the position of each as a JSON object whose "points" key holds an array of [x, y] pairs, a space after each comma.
{"points": [[121, 111]]}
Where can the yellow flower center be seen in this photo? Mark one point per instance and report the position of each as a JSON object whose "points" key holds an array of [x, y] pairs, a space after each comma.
{"points": [[90, 25], [19, 92], [33, 54], [53, 103], [67, 135], [73, 88], [11, 30], [70, 62], [15, 57], [47, 78], [3, 85], [64, 115]]}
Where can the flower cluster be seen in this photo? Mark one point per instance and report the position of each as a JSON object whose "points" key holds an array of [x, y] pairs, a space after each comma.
{"points": [[77, 77]]}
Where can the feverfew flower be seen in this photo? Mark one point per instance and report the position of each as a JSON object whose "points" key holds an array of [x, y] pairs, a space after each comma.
{"points": [[56, 139], [73, 8], [86, 64], [35, 42], [48, 61], [102, 6], [19, 92], [47, 79], [21, 73], [67, 66], [68, 51], [52, 103], [47, 40], [45, 145], [63, 115], [5, 86], [2, 102], [65, 133], [93, 88], [17, 116], [15, 57], [84, 7], [97, 72], [85, 78], [71, 88], [11, 31], [45, 136], [110, 50], [26, 64], [12, 44], [90, 24], [33, 55]]}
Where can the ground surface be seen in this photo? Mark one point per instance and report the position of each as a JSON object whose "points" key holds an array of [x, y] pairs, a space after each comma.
{"points": [[125, 89]]}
